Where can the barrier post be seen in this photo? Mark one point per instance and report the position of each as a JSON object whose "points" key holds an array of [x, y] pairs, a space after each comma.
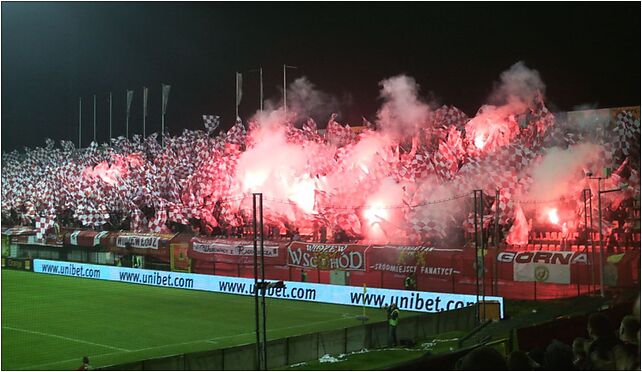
{"points": [[535, 290]]}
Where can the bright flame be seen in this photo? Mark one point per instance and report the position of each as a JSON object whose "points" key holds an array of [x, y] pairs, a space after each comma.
{"points": [[480, 141], [302, 193], [375, 213], [108, 174], [552, 216], [253, 180]]}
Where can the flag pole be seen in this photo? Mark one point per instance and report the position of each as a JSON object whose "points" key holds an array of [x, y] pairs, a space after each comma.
{"points": [[237, 95], [285, 88], [365, 290], [165, 97], [79, 122], [126, 116], [94, 118], [163, 123], [261, 88], [144, 108], [110, 116]]}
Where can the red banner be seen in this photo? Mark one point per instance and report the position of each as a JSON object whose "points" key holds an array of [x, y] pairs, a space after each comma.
{"points": [[414, 259], [348, 257], [19, 230], [233, 251], [86, 238]]}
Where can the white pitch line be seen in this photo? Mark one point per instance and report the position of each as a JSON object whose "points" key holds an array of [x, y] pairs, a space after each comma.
{"points": [[64, 338], [38, 366], [211, 340]]}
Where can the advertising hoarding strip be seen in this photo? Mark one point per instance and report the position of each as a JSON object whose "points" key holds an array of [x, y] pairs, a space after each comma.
{"points": [[324, 293]]}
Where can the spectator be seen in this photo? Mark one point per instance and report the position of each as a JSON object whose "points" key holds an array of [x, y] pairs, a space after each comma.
{"points": [[296, 236], [519, 361], [603, 340], [410, 283], [627, 357], [564, 237], [629, 328], [611, 245], [483, 358], [85, 366], [558, 357], [304, 276], [580, 346], [537, 355]]}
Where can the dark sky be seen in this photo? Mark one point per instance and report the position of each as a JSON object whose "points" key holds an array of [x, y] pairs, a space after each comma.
{"points": [[52, 53]]}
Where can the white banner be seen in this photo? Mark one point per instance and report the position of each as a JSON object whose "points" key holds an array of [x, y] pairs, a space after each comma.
{"points": [[137, 241], [242, 249], [325, 293], [541, 272]]}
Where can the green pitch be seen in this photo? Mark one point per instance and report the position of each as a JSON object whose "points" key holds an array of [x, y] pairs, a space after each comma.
{"points": [[49, 322]]}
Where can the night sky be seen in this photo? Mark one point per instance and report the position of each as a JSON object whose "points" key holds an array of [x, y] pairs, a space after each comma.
{"points": [[52, 53]]}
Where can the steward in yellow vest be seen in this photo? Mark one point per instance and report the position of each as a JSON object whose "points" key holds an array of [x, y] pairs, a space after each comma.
{"points": [[393, 320]]}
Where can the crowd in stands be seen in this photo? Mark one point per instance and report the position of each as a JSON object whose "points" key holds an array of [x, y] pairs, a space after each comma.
{"points": [[605, 349]]}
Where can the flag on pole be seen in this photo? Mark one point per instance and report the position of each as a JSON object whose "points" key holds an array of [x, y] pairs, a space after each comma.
{"points": [[145, 92], [239, 88], [165, 97], [130, 97], [211, 122]]}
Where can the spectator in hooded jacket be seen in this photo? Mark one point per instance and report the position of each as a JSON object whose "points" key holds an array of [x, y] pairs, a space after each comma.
{"points": [[603, 340]]}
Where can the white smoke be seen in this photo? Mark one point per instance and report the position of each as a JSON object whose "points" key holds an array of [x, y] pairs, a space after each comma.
{"points": [[562, 172], [402, 112], [307, 101], [518, 87]]}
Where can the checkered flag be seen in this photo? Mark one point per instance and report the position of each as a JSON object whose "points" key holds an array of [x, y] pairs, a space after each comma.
{"points": [[626, 134], [211, 122], [42, 225]]}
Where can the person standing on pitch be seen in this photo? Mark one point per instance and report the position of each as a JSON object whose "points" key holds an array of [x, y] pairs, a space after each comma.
{"points": [[393, 320]]}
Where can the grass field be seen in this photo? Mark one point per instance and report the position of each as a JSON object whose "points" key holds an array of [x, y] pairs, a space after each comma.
{"points": [[49, 322]]}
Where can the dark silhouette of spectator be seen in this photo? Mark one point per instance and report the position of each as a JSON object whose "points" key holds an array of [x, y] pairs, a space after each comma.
{"points": [[296, 236], [85, 366], [537, 356], [629, 328], [611, 245], [603, 338], [304, 276], [519, 361], [580, 346], [627, 357], [410, 283], [558, 357], [484, 359]]}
